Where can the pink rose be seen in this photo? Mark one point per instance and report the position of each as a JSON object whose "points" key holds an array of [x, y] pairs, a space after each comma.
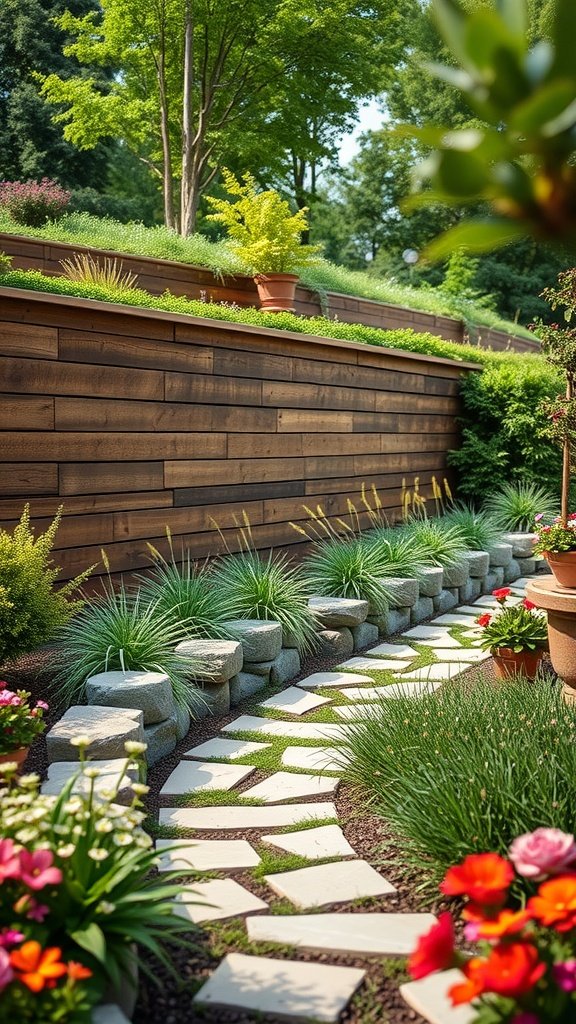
{"points": [[546, 851], [565, 975]]}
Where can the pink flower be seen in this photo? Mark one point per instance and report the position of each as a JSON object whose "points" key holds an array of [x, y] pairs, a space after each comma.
{"points": [[9, 861], [546, 851], [42, 705], [565, 975], [539, 517], [28, 905], [6, 972], [10, 937], [525, 1017], [7, 697], [36, 869]]}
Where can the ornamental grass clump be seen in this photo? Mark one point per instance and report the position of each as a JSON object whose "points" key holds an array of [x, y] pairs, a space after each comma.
{"points": [[515, 505], [400, 555], [187, 596], [78, 894], [441, 544], [468, 767], [477, 527], [347, 567]]}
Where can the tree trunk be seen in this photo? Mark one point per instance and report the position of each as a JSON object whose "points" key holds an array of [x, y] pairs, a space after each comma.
{"points": [[167, 180], [187, 221]]}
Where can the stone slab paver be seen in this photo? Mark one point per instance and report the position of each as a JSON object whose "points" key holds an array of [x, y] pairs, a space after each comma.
{"points": [[221, 818], [294, 730], [108, 1013], [455, 618], [206, 855], [356, 712], [490, 602], [108, 729], [364, 664], [226, 749], [446, 642], [294, 701], [429, 998], [394, 690], [313, 843], [284, 988], [196, 777], [439, 671], [316, 759], [464, 654], [421, 633], [216, 900], [281, 787], [324, 884], [112, 774], [392, 651], [367, 934], [319, 680]]}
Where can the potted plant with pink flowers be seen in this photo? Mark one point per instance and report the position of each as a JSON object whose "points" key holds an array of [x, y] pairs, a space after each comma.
{"points": [[516, 636], [520, 916], [20, 723]]}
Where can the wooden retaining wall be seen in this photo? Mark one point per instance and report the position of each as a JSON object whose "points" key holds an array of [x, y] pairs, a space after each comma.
{"points": [[136, 420], [157, 276]]}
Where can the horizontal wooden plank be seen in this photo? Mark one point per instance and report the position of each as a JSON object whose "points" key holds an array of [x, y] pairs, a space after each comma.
{"points": [[354, 376], [315, 420], [110, 477], [74, 531], [383, 482], [115, 414], [74, 447], [237, 492], [34, 341], [184, 520], [39, 507], [65, 311], [263, 366], [113, 350], [26, 412], [402, 423], [287, 395], [412, 405], [290, 445], [204, 473], [190, 387], [26, 376], [33, 478]]}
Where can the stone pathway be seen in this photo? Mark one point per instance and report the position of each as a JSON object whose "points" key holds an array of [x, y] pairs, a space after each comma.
{"points": [[303, 758]]}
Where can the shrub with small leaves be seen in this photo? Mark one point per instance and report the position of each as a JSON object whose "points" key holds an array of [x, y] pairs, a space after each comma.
{"points": [[33, 203], [5, 263]]}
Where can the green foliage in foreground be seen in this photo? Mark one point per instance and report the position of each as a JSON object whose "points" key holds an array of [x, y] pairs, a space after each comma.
{"points": [[347, 567], [475, 525], [468, 768], [515, 505]]}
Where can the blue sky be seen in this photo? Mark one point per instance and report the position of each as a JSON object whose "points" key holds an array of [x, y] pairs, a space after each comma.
{"points": [[369, 119]]}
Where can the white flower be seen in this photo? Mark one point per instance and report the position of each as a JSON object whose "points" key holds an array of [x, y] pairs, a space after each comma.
{"points": [[105, 907], [133, 747], [78, 831], [29, 781], [73, 805], [103, 826], [140, 789], [92, 773], [80, 741], [97, 853], [123, 839], [143, 839], [26, 835], [66, 851], [61, 830]]}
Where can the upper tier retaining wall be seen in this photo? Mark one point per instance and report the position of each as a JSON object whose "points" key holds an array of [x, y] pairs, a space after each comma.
{"points": [[136, 419], [198, 283]]}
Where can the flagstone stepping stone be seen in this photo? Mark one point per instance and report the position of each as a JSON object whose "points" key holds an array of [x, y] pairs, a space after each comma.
{"points": [[429, 998], [108, 1013], [464, 654], [323, 884], [430, 636], [284, 786], [335, 612], [284, 988], [295, 730], [220, 818], [468, 609], [316, 759], [392, 651], [231, 749], [314, 843], [444, 642], [319, 680], [206, 855], [400, 689], [112, 773], [367, 934], [456, 618], [195, 777], [441, 671], [355, 712], [491, 602], [216, 900], [522, 583], [365, 664], [293, 701]]}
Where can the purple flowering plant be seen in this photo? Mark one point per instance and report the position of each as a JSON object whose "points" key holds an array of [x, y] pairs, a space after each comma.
{"points": [[20, 722], [34, 202]]}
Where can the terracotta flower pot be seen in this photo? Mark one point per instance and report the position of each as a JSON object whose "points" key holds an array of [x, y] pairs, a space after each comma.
{"points": [[509, 663], [277, 292], [19, 756], [563, 565]]}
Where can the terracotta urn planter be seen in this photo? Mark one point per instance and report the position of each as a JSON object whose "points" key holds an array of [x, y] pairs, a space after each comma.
{"points": [[563, 566], [509, 663], [19, 756], [560, 603], [277, 292]]}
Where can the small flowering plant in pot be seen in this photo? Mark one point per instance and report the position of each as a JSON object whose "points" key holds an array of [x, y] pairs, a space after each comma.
{"points": [[516, 636], [556, 541], [20, 723], [523, 966], [78, 893]]}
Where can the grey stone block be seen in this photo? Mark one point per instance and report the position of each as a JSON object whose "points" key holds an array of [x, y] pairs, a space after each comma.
{"points": [[245, 685], [364, 635], [500, 555], [423, 609], [161, 739], [337, 643], [456, 575], [512, 571], [335, 612], [285, 666], [478, 562], [108, 1013], [430, 581], [223, 658], [493, 580], [522, 543], [149, 692], [446, 601], [403, 592], [259, 668], [471, 590], [182, 716], [396, 621], [542, 565], [213, 701], [111, 772], [108, 729], [527, 566], [261, 640]]}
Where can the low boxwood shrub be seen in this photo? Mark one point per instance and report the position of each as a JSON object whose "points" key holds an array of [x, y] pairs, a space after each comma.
{"points": [[468, 768]]}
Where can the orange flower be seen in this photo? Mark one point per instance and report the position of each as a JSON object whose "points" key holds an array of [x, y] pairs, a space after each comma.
{"points": [[555, 903], [77, 972], [512, 970], [466, 991], [483, 877], [507, 922], [37, 968], [435, 949]]}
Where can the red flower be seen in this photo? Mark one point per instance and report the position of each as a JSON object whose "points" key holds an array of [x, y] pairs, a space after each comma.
{"points": [[528, 605], [512, 970], [466, 991], [484, 620], [483, 877], [77, 971], [501, 594], [37, 968], [555, 903], [435, 949], [508, 922]]}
